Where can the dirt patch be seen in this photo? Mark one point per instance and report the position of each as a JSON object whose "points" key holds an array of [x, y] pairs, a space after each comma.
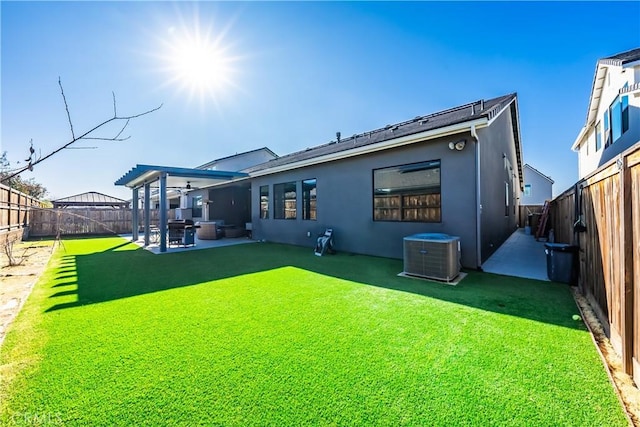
{"points": [[623, 383], [18, 280]]}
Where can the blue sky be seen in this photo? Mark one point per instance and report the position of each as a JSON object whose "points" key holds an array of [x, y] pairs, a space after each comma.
{"points": [[294, 74]]}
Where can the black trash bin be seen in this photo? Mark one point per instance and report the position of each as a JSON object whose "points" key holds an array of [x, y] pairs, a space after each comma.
{"points": [[561, 262]]}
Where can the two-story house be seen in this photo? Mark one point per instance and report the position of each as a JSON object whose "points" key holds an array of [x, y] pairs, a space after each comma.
{"points": [[613, 116]]}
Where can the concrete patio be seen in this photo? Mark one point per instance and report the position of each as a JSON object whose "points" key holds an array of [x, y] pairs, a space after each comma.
{"points": [[520, 256], [154, 247]]}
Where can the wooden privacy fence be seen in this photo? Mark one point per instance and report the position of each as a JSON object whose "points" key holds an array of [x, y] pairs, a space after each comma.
{"points": [[601, 214], [15, 213], [523, 217], [48, 222]]}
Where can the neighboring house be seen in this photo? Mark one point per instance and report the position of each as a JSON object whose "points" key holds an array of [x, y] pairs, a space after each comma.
{"points": [[90, 199], [457, 171], [538, 187], [240, 161], [613, 115]]}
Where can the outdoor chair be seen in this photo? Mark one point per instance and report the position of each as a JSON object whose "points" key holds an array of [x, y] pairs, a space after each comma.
{"points": [[324, 243]]}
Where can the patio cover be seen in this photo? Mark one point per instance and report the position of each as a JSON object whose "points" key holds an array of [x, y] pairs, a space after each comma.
{"points": [[146, 176]]}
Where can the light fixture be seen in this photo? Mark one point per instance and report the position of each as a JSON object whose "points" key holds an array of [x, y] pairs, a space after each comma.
{"points": [[188, 185], [458, 145]]}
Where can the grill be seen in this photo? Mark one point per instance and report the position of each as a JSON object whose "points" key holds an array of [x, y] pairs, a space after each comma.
{"points": [[181, 232]]}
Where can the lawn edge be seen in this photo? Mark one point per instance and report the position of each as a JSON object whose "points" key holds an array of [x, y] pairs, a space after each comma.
{"points": [[17, 368], [628, 395]]}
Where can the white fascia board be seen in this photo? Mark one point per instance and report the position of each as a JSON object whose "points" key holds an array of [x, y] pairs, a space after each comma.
{"points": [[578, 142], [500, 112], [147, 177], [384, 145]]}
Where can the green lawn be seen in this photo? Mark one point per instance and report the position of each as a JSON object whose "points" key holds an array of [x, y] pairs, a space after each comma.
{"points": [[267, 334]]}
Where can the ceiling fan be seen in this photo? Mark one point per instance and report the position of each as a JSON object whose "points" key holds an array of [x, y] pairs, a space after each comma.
{"points": [[188, 186]]}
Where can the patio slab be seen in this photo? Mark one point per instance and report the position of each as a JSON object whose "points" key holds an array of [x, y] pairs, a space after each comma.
{"points": [[199, 244], [520, 256]]}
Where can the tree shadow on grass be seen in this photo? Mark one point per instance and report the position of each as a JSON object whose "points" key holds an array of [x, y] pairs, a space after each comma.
{"points": [[112, 274]]}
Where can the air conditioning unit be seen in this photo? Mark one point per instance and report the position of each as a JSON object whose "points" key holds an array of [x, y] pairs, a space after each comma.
{"points": [[432, 256]]}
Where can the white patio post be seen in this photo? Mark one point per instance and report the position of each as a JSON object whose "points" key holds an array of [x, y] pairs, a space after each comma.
{"points": [[163, 212], [147, 212], [134, 215]]}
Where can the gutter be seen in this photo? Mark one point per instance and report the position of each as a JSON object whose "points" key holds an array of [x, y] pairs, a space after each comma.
{"points": [[474, 134]]}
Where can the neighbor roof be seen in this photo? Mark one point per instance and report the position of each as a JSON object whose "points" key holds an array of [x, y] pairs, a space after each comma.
{"points": [[482, 109], [622, 58], [89, 199], [539, 173], [213, 162]]}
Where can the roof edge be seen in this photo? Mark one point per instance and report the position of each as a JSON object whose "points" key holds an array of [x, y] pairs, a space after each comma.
{"points": [[383, 145]]}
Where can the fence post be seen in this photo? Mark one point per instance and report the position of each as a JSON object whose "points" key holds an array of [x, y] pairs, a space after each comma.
{"points": [[626, 264]]}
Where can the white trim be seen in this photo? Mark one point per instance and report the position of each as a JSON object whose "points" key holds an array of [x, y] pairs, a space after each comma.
{"points": [[384, 145], [580, 139], [500, 113]]}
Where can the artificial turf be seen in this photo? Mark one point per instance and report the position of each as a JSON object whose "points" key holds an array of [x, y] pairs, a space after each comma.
{"points": [[267, 334]]}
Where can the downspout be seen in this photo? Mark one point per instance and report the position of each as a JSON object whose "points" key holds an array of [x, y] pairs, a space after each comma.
{"points": [[474, 134]]}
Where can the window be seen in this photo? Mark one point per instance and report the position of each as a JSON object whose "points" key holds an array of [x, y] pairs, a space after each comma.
{"points": [[506, 198], [309, 199], [619, 115], [284, 200], [625, 113], [607, 130], [598, 136], [264, 202], [407, 193], [527, 189], [196, 205], [616, 119]]}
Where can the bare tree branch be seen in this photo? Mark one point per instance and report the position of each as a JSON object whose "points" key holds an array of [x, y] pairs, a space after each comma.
{"points": [[97, 138], [84, 136], [66, 106]]}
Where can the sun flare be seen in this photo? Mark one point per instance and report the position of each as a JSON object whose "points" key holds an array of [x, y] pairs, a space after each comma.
{"points": [[199, 63]]}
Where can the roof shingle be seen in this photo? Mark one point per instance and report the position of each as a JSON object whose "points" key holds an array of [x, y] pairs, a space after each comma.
{"points": [[463, 113]]}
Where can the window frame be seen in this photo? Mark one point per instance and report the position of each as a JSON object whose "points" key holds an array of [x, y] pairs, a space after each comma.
{"points": [[309, 200], [286, 197], [405, 204], [598, 136], [607, 129], [263, 204], [625, 113]]}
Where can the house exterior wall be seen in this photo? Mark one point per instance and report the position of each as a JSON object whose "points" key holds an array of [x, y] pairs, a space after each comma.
{"points": [[230, 203], [541, 188], [589, 159], [345, 202], [499, 182]]}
